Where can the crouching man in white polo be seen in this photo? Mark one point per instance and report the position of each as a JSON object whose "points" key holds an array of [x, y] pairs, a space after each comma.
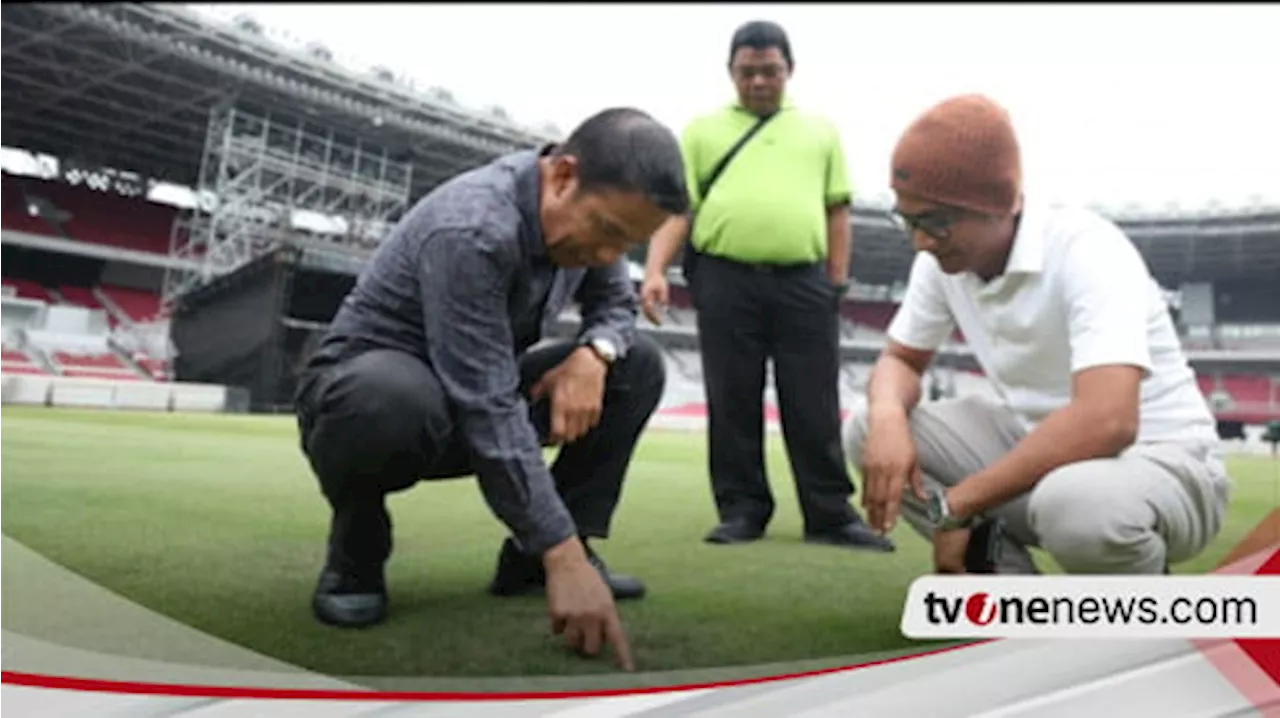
{"points": [[1101, 449]]}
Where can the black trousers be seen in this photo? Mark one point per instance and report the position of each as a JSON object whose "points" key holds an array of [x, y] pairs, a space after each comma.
{"points": [[379, 421], [747, 315]]}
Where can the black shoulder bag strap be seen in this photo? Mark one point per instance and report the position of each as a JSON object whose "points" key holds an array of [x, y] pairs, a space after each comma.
{"points": [[704, 188]]}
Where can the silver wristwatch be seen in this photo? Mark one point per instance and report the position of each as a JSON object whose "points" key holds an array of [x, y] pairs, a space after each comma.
{"points": [[604, 349], [940, 515]]}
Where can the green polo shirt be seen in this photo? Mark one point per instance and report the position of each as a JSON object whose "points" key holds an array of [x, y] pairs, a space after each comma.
{"points": [[770, 204]]}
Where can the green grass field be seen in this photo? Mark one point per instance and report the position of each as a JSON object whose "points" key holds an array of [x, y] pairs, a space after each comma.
{"points": [[216, 521]]}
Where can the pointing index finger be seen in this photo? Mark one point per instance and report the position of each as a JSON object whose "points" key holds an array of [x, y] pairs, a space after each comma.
{"points": [[618, 639]]}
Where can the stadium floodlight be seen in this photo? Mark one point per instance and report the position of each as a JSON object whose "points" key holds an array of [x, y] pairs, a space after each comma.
{"points": [[22, 163]]}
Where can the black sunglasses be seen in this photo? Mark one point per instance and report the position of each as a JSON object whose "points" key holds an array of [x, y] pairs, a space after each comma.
{"points": [[935, 223]]}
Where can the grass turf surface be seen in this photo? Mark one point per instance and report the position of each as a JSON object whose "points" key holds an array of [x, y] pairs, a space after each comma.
{"points": [[217, 522]]}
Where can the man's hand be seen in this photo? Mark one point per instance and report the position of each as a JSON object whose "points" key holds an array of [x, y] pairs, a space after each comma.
{"points": [[655, 292], [888, 466], [581, 605], [838, 290], [576, 390], [949, 548]]}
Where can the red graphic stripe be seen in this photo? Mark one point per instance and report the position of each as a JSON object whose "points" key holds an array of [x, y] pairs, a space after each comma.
{"points": [[1252, 665], [1265, 651]]}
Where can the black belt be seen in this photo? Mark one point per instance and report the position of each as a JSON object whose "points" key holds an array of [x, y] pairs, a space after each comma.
{"points": [[773, 268]]}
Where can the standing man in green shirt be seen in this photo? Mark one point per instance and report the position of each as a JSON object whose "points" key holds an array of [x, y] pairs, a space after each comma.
{"points": [[771, 245]]}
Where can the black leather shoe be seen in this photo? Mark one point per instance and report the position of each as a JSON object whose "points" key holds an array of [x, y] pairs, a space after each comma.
{"points": [[855, 535], [519, 574], [624, 587], [735, 531], [345, 600]]}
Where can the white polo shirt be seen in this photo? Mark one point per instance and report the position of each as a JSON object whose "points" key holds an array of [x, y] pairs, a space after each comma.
{"points": [[1076, 294]]}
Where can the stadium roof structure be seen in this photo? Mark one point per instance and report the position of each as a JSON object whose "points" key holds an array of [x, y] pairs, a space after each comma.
{"points": [[131, 86]]}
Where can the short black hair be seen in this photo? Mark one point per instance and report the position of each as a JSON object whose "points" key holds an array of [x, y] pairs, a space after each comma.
{"points": [[762, 35], [627, 150]]}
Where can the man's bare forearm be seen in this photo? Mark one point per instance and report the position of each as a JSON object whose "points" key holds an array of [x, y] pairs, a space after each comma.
{"points": [[894, 386], [664, 245], [839, 243]]}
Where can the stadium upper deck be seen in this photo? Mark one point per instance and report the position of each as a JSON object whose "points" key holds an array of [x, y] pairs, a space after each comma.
{"points": [[133, 87]]}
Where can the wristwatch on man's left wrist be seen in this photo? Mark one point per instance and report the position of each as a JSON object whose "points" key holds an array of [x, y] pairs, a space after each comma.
{"points": [[939, 512], [604, 349]]}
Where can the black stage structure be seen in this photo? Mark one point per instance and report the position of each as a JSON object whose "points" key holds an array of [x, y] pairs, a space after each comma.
{"points": [[254, 327]]}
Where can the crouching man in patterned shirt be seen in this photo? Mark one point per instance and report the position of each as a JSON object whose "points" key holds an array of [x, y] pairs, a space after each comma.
{"points": [[1100, 449], [429, 370]]}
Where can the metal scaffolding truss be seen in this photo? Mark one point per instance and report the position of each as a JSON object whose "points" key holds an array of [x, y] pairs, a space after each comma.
{"points": [[260, 171]]}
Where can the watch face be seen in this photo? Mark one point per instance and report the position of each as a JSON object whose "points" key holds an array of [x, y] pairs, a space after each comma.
{"points": [[935, 507], [605, 348]]}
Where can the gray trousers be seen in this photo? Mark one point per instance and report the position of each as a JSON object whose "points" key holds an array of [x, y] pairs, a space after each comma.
{"points": [[1153, 505]]}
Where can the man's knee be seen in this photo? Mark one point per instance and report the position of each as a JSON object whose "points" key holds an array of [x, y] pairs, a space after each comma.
{"points": [[642, 371], [376, 406], [1088, 529], [923, 419], [853, 435]]}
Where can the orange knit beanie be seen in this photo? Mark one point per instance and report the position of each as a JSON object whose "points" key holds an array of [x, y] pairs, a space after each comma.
{"points": [[961, 152]]}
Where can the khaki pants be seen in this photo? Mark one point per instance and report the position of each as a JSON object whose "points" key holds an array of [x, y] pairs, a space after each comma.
{"points": [[1154, 505]]}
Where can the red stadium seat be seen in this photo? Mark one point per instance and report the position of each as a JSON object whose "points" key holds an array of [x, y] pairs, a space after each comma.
{"points": [[96, 217], [21, 369], [139, 305], [157, 368], [878, 315], [16, 362], [95, 361], [27, 289], [875, 315], [96, 366], [679, 297], [80, 296], [97, 374], [1248, 388], [1253, 397], [13, 209]]}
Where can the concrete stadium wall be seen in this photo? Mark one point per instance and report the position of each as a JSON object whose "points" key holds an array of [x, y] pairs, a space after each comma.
{"points": [[74, 392]]}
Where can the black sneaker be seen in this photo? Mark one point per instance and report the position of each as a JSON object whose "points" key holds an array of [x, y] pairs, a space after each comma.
{"points": [[519, 574]]}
